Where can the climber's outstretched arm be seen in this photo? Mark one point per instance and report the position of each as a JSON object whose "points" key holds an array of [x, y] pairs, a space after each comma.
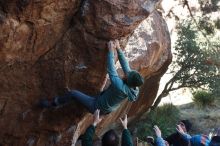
{"points": [[113, 75], [123, 61]]}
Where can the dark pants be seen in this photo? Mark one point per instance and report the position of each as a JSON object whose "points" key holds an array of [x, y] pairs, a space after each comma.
{"points": [[88, 101]]}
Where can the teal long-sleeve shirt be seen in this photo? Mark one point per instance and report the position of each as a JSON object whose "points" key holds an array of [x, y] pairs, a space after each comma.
{"points": [[111, 98], [87, 138]]}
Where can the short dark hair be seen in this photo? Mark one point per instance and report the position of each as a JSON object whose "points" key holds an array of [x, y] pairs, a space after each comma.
{"points": [[215, 141], [134, 79], [110, 138], [187, 124]]}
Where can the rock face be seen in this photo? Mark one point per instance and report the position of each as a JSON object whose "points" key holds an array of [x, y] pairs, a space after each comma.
{"points": [[48, 45]]}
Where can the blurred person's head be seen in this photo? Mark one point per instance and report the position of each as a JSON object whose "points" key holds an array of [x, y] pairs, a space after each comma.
{"points": [[110, 138], [186, 125], [215, 141], [150, 140]]}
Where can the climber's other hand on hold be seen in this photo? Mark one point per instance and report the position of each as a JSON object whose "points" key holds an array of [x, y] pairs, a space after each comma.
{"points": [[117, 45], [111, 46]]}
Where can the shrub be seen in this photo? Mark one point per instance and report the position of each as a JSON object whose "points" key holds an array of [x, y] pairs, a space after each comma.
{"points": [[165, 117], [203, 98]]}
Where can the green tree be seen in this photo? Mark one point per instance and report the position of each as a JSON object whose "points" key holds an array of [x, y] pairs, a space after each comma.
{"points": [[165, 117], [202, 98], [195, 65]]}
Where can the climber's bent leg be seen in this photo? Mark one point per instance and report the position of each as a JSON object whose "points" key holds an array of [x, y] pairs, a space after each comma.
{"points": [[88, 101]]}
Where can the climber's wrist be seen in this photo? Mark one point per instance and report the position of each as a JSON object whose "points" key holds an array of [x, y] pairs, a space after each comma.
{"points": [[118, 48], [94, 124]]}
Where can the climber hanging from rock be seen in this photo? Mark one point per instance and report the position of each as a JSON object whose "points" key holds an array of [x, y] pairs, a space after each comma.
{"points": [[108, 100]]}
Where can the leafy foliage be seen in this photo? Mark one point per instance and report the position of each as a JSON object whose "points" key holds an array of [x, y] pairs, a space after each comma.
{"points": [[203, 98], [217, 23], [165, 117], [192, 56], [214, 85], [207, 25], [197, 61], [208, 6]]}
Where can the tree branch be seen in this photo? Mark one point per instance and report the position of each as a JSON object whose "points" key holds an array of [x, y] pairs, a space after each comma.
{"points": [[191, 15]]}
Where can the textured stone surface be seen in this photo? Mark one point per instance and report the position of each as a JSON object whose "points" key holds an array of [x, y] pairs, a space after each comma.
{"points": [[48, 45], [30, 28], [148, 51]]}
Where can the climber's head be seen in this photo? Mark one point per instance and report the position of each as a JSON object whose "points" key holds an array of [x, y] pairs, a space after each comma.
{"points": [[110, 138], [134, 79]]}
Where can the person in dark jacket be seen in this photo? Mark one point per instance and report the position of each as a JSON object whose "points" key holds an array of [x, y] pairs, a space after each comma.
{"points": [[215, 141], [126, 135], [110, 138], [176, 139], [108, 100]]}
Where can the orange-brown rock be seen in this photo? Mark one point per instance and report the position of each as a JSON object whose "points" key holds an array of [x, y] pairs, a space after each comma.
{"points": [[148, 50], [48, 45]]}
